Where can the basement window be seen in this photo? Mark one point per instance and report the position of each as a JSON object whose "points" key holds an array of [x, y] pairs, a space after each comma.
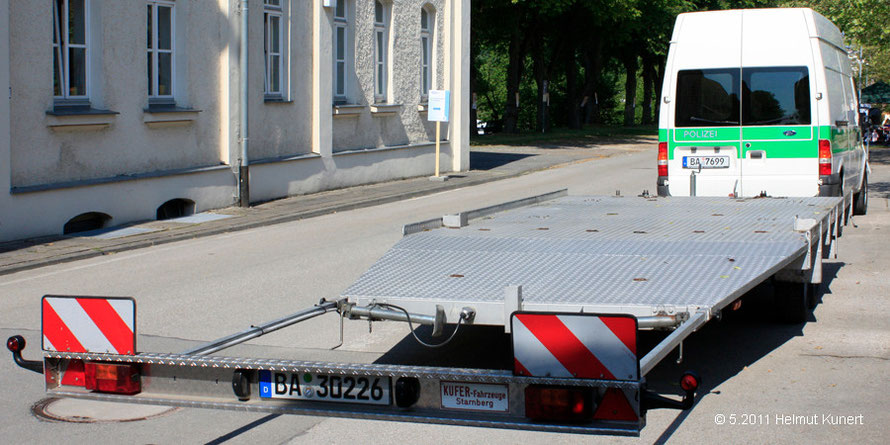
{"points": [[176, 208], [86, 222]]}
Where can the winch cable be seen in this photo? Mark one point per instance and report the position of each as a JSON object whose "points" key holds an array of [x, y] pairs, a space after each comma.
{"points": [[411, 326]]}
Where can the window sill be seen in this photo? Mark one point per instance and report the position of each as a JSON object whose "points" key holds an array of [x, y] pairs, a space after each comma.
{"points": [[80, 117], [276, 100], [116, 179], [385, 109], [348, 110], [168, 115], [356, 151]]}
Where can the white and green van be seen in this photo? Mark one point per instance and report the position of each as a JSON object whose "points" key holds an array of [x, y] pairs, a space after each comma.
{"points": [[760, 102]]}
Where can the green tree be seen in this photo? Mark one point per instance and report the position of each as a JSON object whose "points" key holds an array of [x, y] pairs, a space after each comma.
{"points": [[865, 26]]}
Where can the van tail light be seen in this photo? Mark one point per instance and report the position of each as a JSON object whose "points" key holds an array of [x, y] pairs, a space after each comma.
{"points": [[558, 403], [824, 157], [113, 378], [662, 159]]}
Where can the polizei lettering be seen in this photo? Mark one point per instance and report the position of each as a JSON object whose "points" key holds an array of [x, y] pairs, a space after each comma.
{"points": [[476, 397], [699, 134]]}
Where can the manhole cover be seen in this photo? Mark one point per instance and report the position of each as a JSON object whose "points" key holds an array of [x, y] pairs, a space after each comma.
{"points": [[91, 411]]}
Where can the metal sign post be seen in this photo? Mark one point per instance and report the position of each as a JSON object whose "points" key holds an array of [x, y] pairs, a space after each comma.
{"points": [[439, 108]]}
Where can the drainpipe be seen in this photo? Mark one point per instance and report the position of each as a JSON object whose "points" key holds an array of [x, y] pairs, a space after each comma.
{"points": [[244, 162]]}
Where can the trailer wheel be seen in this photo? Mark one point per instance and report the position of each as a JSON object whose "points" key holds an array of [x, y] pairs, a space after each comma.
{"points": [[860, 200], [793, 301]]}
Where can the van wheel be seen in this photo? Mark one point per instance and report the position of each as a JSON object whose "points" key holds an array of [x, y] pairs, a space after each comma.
{"points": [[860, 200], [793, 301]]}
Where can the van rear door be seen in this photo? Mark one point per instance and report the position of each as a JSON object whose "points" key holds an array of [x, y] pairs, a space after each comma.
{"points": [[707, 133], [780, 146]]}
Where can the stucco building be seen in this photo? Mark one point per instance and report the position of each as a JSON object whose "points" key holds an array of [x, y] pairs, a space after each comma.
{"points": [[129, 110]]}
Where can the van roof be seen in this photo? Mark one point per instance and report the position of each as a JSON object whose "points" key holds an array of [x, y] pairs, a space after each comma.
{"points": [[717, 39]]}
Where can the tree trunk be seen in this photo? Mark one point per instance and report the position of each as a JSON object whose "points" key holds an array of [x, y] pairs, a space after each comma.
{"points": [[593, 66], [648, 87], [474, 116], [540, 72], [659, 81], [572, 100], [630, 89], [514, 77]]}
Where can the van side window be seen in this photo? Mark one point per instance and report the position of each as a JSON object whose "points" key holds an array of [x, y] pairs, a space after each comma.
{"points": [[708, 98], [775, 96]]}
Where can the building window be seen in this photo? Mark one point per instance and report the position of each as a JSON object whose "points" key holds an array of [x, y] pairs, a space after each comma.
{"points": [[427, 24], [381, 50], [160, 51], [341, 51], [70, 49], [272, 49]]}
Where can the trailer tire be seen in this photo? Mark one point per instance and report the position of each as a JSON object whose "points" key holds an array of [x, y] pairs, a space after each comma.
{"points": [[793, 301], [860, 200]]}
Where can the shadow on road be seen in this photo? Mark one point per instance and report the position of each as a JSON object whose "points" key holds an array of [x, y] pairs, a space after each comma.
{"points": [[718, 352], [879, 155], [486, 160]]}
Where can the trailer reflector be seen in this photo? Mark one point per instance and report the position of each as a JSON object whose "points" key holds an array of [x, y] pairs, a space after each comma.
{"points": [[563, 404], [103, 325], [72, 374], [615, 406], [689, 382], [112, 378], [582, 346]]}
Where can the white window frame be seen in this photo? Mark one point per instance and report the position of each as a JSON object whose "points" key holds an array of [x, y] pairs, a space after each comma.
{"points": [[153, 95], [341, 25], [62, 48], [427, 65], [273, 10], [381, 51]]}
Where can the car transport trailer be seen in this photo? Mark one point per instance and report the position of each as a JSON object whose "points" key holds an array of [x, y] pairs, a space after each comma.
{"points": [[573, 279]]}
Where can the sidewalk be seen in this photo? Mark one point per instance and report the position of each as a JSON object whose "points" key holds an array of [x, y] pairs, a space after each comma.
{"points": [[488, 163]]}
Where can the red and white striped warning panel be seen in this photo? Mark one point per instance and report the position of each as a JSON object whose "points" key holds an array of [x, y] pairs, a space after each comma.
{"points": [[89, 324], [587, 346]]}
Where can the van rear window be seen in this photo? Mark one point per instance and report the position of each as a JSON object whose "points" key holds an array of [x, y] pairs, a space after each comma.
{"points": [[708, 98], [776, 96], [769, 96]]}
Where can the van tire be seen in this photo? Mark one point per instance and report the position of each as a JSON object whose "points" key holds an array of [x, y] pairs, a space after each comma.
{"points": [[860, 200], [792, 301]]}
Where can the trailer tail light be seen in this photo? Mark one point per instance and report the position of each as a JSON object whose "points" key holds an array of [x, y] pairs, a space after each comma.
{"points": [[113, 378], [824, 157], [662, 159], [558, 404]]}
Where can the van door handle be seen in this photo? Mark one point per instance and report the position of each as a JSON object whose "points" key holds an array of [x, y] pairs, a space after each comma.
{"points": [[789, 133]]}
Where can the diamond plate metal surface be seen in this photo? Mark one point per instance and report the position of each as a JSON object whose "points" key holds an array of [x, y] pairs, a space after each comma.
{"points": [[598, 251], [298, 366]]}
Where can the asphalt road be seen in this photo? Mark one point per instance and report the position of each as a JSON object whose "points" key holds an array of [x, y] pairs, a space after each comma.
{"points": [[756, 372]]}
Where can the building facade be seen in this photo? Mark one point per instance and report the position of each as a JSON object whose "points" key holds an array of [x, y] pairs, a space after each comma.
{"points": [[130, 110]]}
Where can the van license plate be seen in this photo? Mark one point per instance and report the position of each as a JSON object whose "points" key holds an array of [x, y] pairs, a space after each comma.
{"points": [[367, 390], [705, 161]]}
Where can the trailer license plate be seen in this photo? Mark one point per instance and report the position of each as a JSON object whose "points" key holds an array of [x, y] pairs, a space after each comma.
{"points": [[368, 390], [705, 161]]}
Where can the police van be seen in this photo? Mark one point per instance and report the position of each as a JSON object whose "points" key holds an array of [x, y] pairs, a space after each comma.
{"points": [[760, 102]]}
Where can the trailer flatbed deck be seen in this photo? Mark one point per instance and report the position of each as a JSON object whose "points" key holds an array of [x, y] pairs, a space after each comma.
{"points": [[643, 256], [531, 265]]}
